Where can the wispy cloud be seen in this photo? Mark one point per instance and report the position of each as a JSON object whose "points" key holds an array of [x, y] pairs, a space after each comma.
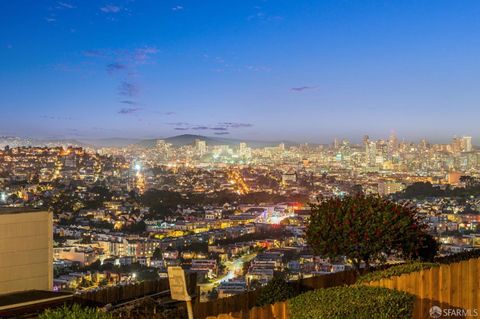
{"points": [[220, 128], [65, 5], [116, 66], [259, 68], [235, 124], [128, 89], [93, 53], [143, 55], [261, 15], [136, 56], [128, 110], [129, 102], [110, 8], [50, 19], [177, 8], [59, 118], [303, 88]]}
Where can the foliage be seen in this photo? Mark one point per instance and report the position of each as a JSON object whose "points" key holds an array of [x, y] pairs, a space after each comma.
{"points": [[74, 312], [352, 302], [466, 255], [428, 248], [277, 289], [422, 190], [395, 271], [364, 228]]}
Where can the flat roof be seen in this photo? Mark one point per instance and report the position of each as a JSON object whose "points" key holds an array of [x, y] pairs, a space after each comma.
{"points": [[19, 210]]}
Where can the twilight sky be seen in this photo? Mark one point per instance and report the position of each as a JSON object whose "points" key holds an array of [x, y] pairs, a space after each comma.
{"points": [[303, 70]]}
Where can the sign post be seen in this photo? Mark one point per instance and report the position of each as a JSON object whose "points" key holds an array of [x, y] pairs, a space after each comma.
{"points": [[178, 287]]}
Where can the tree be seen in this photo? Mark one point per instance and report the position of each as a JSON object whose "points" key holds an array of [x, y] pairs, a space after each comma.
{"points": [[427, 250], [364, 229]]}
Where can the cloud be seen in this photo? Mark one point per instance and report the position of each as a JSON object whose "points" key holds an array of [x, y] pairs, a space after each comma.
{"points": [[110, 8], [143, 55], [263, 16], [199, 128], [303, 88], [94, 53], [217, 128], [177, 8], [128, 89], [66, 5], [59, 118], [235, 124], [128, 57], [50, 19], [259, 68], [116, 66], [128, 102], [221, 133], [128, 110]]}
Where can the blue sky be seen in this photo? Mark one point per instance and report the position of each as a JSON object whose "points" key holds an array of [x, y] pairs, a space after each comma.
{"points": [[251, 69]]}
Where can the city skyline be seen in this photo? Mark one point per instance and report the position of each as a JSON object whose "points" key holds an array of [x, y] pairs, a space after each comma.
{"points": [[151, 70]]}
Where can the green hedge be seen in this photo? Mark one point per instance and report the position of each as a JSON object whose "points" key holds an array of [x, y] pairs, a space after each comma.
{"points": [[352, 302], [74, 312], [395, 271]]}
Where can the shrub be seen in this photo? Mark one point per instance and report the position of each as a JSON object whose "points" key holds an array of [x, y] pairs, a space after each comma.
{"points": [[395, 271], [276, 290], [74, 312], [354, 302]]}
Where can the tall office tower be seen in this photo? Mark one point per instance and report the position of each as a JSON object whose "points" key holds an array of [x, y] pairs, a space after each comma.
{"points": [[366, 142], [200, 146], [26, 250], [393, 141], [456, 145], [466, 144], [281, 147], [335, 144], [371, 153]]}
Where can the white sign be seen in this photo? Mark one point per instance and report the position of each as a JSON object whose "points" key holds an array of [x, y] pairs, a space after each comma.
{"points": [[178, 285]]}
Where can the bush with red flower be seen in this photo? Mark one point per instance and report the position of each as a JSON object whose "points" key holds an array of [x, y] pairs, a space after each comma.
{"points": [[366, 229]]}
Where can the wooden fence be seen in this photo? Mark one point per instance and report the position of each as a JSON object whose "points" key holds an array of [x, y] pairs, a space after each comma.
{"points": [[244, 302], [455, 286], [117, 294]]}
